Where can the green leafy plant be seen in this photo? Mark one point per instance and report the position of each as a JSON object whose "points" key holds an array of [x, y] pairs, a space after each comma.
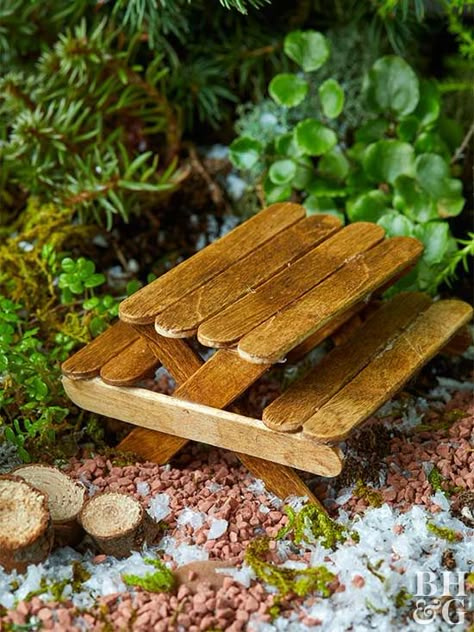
{"points": [[395, 169], [162, 580], [34, 407]]}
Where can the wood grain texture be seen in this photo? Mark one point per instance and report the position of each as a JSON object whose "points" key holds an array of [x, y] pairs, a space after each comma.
{"points": [[176, 355], [182, 319], [226, 328], [220, 380], [160, 447], [152, 445], [87, 362], [272, 340], [142, 307], [388, 372], [305, 396], [328, 331], [279, 479], [203, 423], [134, 363]]}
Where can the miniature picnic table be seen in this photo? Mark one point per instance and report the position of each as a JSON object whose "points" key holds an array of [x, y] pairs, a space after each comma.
{"points": [[271, 289]]}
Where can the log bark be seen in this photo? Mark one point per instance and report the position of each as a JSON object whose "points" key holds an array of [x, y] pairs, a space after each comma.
{"points": [[65, 500], [117, 523], [26, 529]]}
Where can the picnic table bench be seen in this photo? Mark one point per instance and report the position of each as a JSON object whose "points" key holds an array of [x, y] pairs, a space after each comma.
{"points": [[272, 289]]}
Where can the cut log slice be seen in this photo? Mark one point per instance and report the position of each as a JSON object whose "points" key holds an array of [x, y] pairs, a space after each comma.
{"points": [[65, 500], [26, 530], [117, 523]]}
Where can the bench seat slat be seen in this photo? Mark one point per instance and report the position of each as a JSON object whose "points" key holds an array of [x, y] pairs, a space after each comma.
{"points": [[182, 319], [142, 307], [202, 423], [355, 281], [131, 365], [388, 372], [226, 328], [88, 361], [305, 396]]}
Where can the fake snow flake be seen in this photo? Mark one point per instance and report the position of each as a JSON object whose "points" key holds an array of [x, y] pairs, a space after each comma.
{"points": [[159, 507], [218, 528], [143, 488], [181, 552], [193, 518], [243, 575]]}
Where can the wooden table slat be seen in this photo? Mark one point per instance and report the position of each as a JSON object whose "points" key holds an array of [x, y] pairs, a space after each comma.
{"points": [[226, 328], [196, 422], [271, 341], [305, 396], [142, 307], [182, 319], [388, 372], [88, 361], [131, 365]]}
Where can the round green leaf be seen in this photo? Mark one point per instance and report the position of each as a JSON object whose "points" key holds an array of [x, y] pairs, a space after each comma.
{"points": [[385, 160], [314, 138], [429, 106], [371, 131], [407, 128], [304, 173], [392, 85], [452, 202], [431, 143], [317, 205], [334, 165], [309, 49], [244, 152], [368, 207], [319, 187], [396, 225], [436, 239], [332, 98], [282, 171], [285, 145], [287, 89], [413, 201], [432, 172], [274, 192]]}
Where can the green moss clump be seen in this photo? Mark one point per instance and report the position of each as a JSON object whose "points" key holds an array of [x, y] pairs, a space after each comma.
{"points": [[287, 580], [162, 580], [402, 598], [369, 494], [444, 532], [312, 519]]}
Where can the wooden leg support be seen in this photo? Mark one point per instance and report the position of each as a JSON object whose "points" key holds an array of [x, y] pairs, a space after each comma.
{"points": [[215, 383]]}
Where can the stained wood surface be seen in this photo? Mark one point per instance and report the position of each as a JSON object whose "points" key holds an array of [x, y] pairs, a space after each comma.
{"points": [[221, 379], [305, 396], [182, 319], [131, 365], [176, 355], [142, 307], [328, 331], [273, 339], [203, 423], [87, 362], [226, 328], [159, 447], [402, 357]]}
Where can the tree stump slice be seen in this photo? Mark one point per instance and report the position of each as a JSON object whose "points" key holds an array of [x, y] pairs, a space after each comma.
{"points": [[117, 523], [26, 528], [65, 500]]}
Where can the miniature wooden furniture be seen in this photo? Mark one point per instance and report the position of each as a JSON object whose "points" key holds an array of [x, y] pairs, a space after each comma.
{"points": [[273, 288]]}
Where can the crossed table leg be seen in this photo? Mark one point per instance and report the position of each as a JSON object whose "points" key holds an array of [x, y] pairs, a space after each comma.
{"points": [[217, 383]]}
